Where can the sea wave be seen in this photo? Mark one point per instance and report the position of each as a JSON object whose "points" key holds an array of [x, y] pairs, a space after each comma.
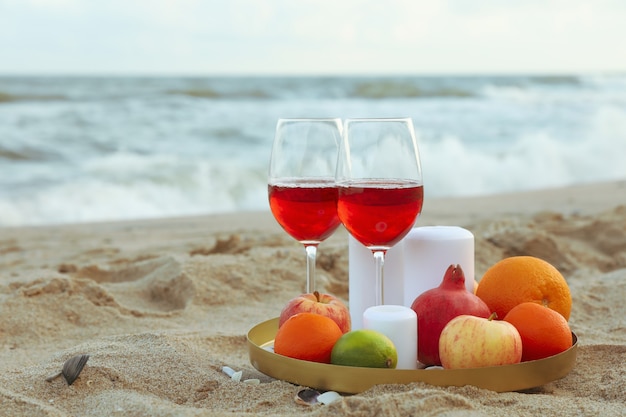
{"points": [[213, 94], [556, 79], [23, 154], [7, 98], [393, 89], [132, 186], [372, 90], [281, 88]]}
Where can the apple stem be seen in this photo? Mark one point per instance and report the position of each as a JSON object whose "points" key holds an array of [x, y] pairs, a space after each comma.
{"points": [[493, 316], [317, 295]]}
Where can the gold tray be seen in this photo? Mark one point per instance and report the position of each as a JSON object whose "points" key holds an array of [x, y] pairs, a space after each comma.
{"points": [[352, 380]]}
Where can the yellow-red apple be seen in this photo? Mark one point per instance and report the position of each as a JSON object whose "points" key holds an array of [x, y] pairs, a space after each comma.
{"points": [[325, 304], [473, 342]]}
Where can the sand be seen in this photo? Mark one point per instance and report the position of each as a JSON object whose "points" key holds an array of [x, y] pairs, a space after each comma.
{"points": [[162, 305]]}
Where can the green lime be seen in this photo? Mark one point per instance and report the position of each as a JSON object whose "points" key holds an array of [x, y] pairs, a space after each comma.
{"points": [[365, 348]]}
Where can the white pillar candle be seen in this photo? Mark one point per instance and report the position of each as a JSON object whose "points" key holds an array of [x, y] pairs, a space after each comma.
{"points": [[398, 323], [362, 279], [429, 251]]}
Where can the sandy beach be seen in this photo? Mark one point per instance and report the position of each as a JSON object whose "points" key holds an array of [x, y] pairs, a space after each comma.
{"points": [[162, 305]]}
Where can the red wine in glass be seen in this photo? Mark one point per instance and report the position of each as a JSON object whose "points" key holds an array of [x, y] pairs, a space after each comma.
{"points": [[307, 210], [380, 214]]}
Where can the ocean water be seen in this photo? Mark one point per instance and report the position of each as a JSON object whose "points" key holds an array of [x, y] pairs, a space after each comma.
{"points": [[81, 149]]}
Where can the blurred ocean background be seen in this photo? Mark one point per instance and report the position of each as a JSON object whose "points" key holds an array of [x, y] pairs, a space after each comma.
{"points": [[81, 149]]}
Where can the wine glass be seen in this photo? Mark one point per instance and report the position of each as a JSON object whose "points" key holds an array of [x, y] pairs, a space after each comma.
{"points": [[379, 177], [301, 185]]}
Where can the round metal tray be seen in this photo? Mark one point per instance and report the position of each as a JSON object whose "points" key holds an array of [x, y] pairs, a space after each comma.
{"points": [[352, 380]]}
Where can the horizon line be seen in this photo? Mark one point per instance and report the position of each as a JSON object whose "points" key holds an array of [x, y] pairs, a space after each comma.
{"points": [[469, 74]]}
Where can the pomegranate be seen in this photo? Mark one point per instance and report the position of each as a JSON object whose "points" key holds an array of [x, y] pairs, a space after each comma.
{"points": [[436, 307]]}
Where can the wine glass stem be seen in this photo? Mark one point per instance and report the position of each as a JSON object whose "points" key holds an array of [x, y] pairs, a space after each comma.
{"points": [[311, 254], [379, 259]]}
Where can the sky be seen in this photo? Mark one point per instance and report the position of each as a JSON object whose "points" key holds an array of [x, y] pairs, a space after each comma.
{"points": [[283, 37]]}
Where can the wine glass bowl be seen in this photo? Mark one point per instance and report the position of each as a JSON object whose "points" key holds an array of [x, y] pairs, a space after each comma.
{"points": [[379, 179], [301, 183]]}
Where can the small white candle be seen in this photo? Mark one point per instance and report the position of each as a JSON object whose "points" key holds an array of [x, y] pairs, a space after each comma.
{"points": [[429, 251], [398, 323], [362, 279]]}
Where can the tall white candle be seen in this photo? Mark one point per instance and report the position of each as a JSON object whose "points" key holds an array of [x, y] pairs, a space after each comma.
{"points": [[429, 251], [362, 279], [398, 323]]}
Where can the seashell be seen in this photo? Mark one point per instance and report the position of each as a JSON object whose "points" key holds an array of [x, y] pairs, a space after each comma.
{"points": [[328, 397], [307, 396], [71, 369], [310, 397], [252, 381], [236, 376], [228, 371]]}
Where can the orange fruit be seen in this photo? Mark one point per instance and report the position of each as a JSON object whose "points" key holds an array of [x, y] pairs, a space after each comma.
{"points": [[519, 279], [307, 336], [544, 332]]}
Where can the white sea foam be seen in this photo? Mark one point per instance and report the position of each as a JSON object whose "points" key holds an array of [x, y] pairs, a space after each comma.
{"points": [[531, 161]]}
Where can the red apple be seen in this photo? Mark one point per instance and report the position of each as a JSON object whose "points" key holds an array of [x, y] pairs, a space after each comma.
{"points": [[325, 304], [473, 342]]}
